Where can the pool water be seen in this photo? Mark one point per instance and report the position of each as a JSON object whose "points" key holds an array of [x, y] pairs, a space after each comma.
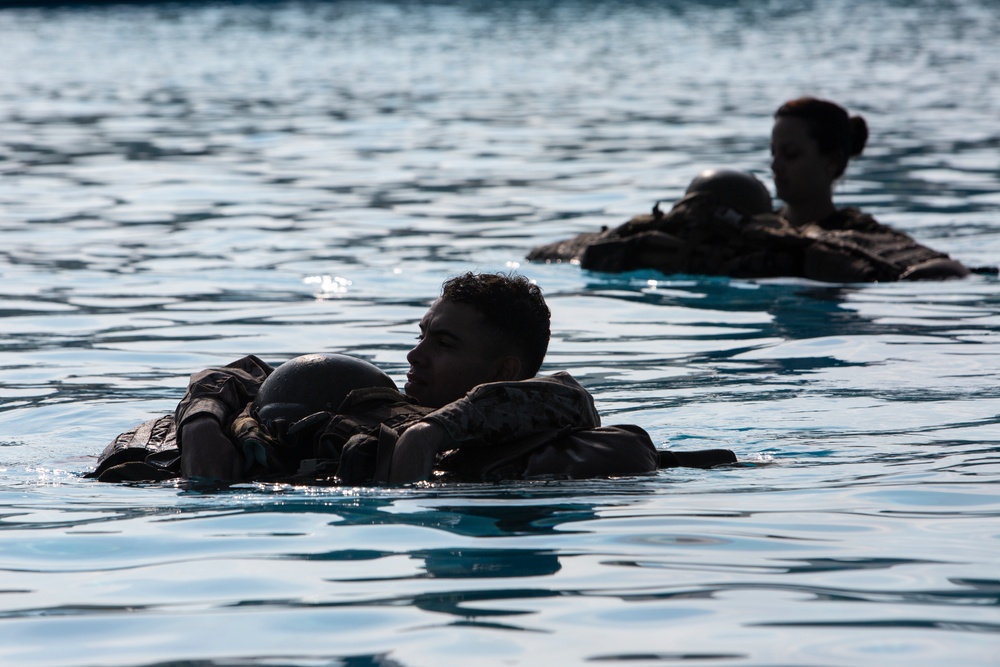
{"points": [[185, 183]]}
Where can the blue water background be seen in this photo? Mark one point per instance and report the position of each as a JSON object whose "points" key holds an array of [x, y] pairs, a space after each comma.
{"points": [[181, 184]]}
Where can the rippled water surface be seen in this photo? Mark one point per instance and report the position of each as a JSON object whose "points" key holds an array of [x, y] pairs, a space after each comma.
{"points": [[181, 184]]}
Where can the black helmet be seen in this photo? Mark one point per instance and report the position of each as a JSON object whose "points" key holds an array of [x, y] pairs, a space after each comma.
{"points": [[739, 189], [315, 383]]}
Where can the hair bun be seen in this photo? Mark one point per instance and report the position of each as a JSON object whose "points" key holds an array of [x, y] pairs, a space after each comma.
{"points": [[858, 132]]}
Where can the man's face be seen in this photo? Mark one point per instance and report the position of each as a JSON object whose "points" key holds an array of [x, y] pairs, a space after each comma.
{"points": [[455, 353]]}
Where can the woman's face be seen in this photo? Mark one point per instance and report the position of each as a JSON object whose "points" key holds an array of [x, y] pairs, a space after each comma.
{"points": [[801, 172]]}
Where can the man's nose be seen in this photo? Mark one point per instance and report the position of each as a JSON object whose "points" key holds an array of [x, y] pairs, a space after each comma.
{"points": [[415, 356]]}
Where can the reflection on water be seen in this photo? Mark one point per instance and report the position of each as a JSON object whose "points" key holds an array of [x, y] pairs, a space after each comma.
{"points": [[183, 183], [322, 561]]}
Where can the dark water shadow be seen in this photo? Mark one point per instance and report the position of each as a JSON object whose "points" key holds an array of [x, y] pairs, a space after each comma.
{"points": [[285, 660]]}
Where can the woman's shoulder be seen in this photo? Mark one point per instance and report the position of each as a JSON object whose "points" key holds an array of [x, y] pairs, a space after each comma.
{"points": [[852, 219]]}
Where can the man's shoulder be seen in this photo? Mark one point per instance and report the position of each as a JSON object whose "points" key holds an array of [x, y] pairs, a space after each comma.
{"points": [[530, 393], [556, 379], [562, 378]]}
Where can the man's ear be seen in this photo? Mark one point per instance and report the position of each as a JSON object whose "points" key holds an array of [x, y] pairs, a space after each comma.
{"points": [[508, 369]]}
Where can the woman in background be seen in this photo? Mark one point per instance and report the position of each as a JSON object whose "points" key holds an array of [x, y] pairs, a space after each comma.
{"points": [[811, 144], [725, 225]]}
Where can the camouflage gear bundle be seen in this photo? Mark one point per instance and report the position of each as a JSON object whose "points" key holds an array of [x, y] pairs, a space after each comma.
{"points": [[545, 427], [339, 447], [342, 447], [702, 236], [147, 452]]}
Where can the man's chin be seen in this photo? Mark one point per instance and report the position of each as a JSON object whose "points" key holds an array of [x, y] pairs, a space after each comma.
{"points": [[419, 392], [416, 391]]}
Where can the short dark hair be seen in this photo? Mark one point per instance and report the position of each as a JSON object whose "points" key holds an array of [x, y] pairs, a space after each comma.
{"points": [[834, 130], [513, 307]]}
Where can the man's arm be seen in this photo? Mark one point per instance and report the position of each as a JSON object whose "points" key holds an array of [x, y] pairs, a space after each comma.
{"points": [[223, 392], [214, 398], [416, 452], [499, 412], [490, 415], [209, 453]]}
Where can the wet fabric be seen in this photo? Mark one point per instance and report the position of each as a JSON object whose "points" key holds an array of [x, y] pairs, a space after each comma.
{"points": [[702, 236], [145, 452], [543, 427]]}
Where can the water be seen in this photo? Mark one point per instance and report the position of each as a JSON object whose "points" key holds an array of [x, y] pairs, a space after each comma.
{"points": [[181, 184]]}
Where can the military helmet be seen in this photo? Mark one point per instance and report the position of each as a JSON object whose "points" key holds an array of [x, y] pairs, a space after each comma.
{"points": [[738, 189], [315, 383]]}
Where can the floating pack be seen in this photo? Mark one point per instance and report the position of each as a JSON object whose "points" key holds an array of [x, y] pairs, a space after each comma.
{"points": [[704, 235]]}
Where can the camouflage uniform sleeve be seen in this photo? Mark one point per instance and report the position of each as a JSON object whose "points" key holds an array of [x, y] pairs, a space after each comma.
{"points": [[222, 392], [499, 412], [854, 220]]}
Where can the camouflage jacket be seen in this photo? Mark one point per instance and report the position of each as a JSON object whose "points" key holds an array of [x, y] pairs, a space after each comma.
{"points": [[700, 235], [543, 427]]}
